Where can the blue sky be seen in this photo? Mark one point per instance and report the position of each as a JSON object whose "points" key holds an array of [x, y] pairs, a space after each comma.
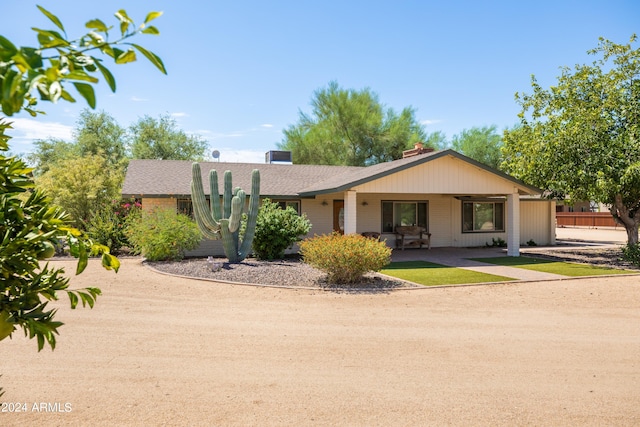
{"points": [[240, 71]]}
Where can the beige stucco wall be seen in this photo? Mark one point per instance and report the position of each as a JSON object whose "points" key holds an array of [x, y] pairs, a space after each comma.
{"points": [[444, 212]]}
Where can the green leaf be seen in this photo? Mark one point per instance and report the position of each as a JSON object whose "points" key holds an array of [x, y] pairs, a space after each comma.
{"points": [[125, 57], [151, 16], [111, 81], [97, 24], [124, 19], [7, 45], [151, 30], [67, 96], [83, 258], [87, 92], [52, 17], [110, 262], [49, 39], [155, 59], [73, 299], [80, 75]]}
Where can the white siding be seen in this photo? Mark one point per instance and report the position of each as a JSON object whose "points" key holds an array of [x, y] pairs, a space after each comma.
{"points": [[446, 175], [536, 222]]}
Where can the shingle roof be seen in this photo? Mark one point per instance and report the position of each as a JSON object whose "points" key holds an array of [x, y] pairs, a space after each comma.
{"points": [[173, 177]]}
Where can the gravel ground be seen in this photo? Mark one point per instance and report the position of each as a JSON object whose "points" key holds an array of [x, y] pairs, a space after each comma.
{"points": [[289, 272], [603, 257]]}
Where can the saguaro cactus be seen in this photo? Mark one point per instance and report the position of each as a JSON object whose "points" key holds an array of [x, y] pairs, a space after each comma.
{"points": [[223, 222]]}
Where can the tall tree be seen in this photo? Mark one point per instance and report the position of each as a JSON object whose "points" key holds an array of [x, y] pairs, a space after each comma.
{"points": [[98, 133], [436, 140], [581, 137], [350, 127], [95, 134], [162, 139], [480, 143], [50, 151]]}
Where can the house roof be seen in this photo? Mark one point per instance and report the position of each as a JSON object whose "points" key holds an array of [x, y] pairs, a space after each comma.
{"points": [[173, 177]]}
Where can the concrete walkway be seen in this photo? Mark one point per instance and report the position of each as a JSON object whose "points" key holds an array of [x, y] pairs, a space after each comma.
{"points": [[461, 257]]}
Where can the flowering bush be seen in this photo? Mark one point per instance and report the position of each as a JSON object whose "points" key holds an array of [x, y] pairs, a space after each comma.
{"points": [[345, 258], [163, 234], [108, 225]]}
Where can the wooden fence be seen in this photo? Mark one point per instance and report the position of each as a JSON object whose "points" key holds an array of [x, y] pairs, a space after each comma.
{"points": [[585, 219]]}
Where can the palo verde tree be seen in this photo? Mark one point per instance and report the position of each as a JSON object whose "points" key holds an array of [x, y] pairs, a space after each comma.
{"points": [[30, 224], [581, 137], [161, 139], [480, 143], [351, 127]]}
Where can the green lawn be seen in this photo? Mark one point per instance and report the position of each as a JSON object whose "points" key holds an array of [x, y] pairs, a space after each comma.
{"points": [[430, 274], [556, 267]]}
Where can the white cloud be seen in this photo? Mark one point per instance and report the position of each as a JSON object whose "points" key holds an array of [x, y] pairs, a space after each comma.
{"points": [[428, 122], [267, 125], [136, 99], [25, 131], [179, 114]]}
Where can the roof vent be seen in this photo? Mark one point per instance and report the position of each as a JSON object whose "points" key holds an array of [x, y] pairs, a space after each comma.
{"points": [[416, 150], [275, 156]]}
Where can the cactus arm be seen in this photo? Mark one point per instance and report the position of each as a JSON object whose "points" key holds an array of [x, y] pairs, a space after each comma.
{"points": [[228, 195], [252, 216], [236, 211], [208, 226], [215, 195]]}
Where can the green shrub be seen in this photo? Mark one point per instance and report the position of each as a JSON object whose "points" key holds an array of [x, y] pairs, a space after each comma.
{"points": [[497, 243], [108, 226], [277, 229], [345, 258], [163, 234], [631, 253]]}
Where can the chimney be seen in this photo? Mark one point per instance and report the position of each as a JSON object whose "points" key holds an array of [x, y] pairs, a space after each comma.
{"points": [[416, 150]]}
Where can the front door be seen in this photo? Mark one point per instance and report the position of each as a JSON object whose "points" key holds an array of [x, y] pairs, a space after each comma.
{"points": [[338, 216]]}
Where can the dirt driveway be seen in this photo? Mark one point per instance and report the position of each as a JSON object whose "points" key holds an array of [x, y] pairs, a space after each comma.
{"points": [[159, 350]]}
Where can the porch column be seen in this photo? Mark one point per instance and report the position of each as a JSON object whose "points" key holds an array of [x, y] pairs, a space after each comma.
{"points": [[513, 223], [350, 207], [552, 225]]}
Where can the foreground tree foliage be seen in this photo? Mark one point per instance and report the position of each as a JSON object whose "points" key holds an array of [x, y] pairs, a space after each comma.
{"points": [[350, 127], [581, 137], [30, 224]]}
